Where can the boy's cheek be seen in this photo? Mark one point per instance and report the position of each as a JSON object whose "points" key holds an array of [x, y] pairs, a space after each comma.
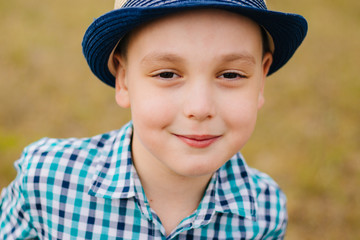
{"points": [[155, 110], [241, 118]]}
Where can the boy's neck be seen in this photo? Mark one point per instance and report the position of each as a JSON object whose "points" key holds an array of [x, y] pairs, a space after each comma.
{"points": [[171, 196]]}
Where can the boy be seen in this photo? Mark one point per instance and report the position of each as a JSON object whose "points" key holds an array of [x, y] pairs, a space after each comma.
{"points": [[193, 73]]}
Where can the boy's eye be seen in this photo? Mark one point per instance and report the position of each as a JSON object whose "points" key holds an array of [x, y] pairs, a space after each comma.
{"points": [[167, 75], [232, 75]]}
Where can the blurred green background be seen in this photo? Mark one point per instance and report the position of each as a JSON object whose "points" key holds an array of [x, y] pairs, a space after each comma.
{"points": [[307, 137]]}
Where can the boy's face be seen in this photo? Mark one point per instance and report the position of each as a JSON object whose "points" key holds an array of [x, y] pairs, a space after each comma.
{"points": [[194, 82]]}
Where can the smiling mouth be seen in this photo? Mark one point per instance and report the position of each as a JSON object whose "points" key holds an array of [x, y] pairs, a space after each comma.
{"points": [[198, 141]]}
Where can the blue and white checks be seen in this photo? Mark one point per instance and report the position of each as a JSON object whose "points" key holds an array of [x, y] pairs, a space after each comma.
{"points": [[89, 189]]}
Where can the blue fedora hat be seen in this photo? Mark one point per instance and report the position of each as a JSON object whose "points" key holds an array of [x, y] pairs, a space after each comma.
{"points": [[287, 30]]}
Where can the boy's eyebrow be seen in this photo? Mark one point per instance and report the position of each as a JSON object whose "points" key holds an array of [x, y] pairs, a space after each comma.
{"points": [[238, 56], [166, 57], [170, 57]]}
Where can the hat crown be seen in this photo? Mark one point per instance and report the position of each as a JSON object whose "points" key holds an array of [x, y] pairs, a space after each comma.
{"points": [[260, 4]]}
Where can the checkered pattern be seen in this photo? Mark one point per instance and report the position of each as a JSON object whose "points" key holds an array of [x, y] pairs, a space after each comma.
{"points": [[89, 189]]}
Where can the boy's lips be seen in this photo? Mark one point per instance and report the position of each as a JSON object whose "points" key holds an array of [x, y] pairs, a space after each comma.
{"points": [[198, 141]]}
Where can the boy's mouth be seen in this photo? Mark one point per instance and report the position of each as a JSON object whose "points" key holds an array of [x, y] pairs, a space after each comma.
{"points": [[198, 141]]}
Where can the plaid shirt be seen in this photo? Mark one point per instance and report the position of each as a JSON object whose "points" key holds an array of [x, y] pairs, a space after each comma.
{"points": [[89, 189]]}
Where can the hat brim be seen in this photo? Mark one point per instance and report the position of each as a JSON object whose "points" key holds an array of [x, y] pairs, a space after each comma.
{"points": [[287, 31]]}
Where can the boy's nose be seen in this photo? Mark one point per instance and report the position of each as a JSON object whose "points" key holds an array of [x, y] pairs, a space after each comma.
{"points": [[198, 103]]}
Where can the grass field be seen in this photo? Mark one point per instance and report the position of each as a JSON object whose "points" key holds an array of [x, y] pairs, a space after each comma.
{"points": [[307, 137]]}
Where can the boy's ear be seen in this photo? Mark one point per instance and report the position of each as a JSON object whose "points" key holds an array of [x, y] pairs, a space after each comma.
{"points": [[121, 89], [266, 63]]}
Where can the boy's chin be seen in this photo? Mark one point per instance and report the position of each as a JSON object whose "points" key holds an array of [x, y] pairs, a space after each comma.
{"points": [[197, 169]]}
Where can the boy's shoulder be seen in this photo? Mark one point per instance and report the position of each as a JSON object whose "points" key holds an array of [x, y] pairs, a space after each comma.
{"points": [[263, 181], [80, 157], [70, 148]]}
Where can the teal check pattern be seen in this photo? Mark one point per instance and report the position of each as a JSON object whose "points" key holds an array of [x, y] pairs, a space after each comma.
{"points": [[89, 189]]}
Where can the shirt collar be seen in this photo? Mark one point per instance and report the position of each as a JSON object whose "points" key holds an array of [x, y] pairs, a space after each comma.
{"points": [[231, 189], [235, 190], [113, 176]]}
